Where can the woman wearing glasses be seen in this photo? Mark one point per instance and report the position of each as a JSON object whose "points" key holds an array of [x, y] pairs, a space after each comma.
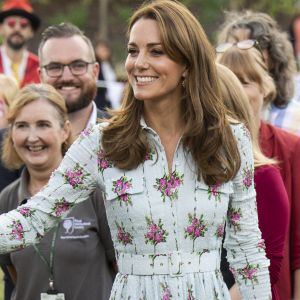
{"points": [[272, 200], [172, 168]]}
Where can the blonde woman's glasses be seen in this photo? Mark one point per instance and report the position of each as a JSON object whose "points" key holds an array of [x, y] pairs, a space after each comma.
{"points": [[243, 45]]}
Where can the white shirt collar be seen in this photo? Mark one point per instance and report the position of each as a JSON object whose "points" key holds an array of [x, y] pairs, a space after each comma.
{"points": [[93, 116], [7, 64]]}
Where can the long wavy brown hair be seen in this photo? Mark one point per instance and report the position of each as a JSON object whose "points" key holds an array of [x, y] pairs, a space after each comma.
{"points": [[207, 133]]}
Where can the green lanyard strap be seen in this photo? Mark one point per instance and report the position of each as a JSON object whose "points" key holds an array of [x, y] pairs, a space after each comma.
{"points": [[49, 263]]}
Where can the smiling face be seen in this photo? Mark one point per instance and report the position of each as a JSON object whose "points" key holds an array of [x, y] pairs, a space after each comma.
{"points": [[151, 73], [38, 135], [78, 91]]}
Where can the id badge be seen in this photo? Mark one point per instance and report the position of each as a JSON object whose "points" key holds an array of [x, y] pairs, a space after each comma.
{"points": [[59, 296]]}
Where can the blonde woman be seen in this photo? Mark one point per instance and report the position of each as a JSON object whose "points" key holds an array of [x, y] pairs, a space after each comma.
{"points": [[71, 259], [249, 65], [272, 200], [172, 168]]}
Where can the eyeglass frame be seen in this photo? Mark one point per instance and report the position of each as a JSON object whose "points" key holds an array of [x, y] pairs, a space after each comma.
{"points": [[255, 44], [62, 66]]}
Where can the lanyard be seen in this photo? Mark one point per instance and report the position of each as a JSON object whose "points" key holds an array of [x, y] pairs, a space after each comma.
{"points": [[49, 263]]}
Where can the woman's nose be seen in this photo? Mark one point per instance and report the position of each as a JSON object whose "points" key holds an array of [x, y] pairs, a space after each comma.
{"points": [[142, 61], [32, 134]]}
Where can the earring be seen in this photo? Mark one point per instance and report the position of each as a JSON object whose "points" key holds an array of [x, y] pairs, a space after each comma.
{"points": [[183, 82]]}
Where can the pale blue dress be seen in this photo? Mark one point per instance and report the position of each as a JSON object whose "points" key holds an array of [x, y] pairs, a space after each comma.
{"points": [[167, 228]]}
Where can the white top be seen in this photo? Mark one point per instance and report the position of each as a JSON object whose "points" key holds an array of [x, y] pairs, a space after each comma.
{"points": [[7, 64]]}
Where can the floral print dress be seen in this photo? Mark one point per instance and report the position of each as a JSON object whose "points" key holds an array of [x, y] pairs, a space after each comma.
{"points": [[155, 215]]}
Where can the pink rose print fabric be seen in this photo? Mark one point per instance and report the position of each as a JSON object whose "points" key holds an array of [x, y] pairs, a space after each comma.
{"points": [[26, 212], [16, 230], [102, 161], [214, 192], [248, 176], [61, 206], [156, 233], [75, 177], [249, 273], [168, 185], [166, 292], [235, 216], [120, 187], [123, 236]]}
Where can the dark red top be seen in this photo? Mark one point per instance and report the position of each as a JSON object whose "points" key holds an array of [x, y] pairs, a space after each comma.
{"points": [[285, 147], [273, 216]]}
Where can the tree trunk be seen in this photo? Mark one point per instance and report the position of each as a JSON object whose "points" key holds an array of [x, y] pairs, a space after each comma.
{"points": [[103, 21]]}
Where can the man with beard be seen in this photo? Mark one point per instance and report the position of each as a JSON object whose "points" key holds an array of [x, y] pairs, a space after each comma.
{"points": [[18, 24], [72, 70]]}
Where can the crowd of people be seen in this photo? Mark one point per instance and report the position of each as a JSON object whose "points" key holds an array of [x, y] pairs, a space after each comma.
{"points": [[185, 189]]}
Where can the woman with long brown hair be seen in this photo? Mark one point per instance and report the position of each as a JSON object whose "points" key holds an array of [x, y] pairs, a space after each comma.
{"points": [[172, 168]]}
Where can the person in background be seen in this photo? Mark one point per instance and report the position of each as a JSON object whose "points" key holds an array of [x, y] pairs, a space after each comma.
{"points": [[72, 71], [247, 63], [272, 199], [294, 34], [106, 74], [172, 169], [72, 258], [109, 89], [78, 89], [284, 110], [8, 89], [18, 25]]}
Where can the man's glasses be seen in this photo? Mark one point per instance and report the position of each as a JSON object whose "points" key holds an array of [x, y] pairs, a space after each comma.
{"points": [[11, 22], [77, 68]]}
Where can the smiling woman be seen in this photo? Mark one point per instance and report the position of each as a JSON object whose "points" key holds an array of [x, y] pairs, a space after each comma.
{"points": [[152, 74], [173, 170], [39, 132]]}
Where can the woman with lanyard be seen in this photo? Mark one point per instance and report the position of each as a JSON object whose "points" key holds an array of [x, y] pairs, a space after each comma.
{"points": [[69, 262], [172, 168]]}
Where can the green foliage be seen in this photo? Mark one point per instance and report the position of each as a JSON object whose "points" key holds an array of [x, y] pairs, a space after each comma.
{"points": [[276, 7], [73, 15]]}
